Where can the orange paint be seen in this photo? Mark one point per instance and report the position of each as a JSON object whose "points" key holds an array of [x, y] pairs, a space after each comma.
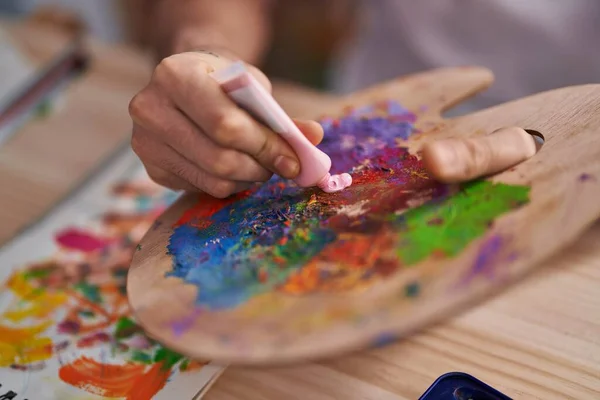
{"points": [[196, 365], [350, 264], [262, 275], [146, 386], [129, 381]]}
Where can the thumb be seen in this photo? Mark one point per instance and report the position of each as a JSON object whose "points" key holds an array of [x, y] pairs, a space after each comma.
{"points": [[462, 159], [260, 77], [311, 129]]}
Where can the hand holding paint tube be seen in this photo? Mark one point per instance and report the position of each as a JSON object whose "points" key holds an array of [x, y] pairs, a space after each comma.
{"points": [[191, 136], [249, 94], [448, 161]]}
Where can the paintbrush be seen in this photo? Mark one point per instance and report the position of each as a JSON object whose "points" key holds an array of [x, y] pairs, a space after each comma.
{"points": [[69, 63]]}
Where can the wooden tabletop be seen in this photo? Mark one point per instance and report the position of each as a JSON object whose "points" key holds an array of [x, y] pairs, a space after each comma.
{"points": [[49, 158], [539, 339]]}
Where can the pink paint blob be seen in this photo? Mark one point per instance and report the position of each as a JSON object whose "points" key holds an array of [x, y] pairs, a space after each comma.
{"points": [[335, 183], [79, 240]]}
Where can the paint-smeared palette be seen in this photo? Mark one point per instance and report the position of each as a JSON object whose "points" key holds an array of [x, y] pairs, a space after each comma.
{"points": [[280, 273]]}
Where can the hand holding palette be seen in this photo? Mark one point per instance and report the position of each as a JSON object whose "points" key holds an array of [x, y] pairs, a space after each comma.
{"points": [[284, 273]]}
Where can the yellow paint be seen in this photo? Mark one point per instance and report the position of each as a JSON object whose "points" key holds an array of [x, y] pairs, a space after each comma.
{"points": [[264, 305], [419, 174], [41, 303], [20, 286], [23, 346], [18, 335], [35, 310]]}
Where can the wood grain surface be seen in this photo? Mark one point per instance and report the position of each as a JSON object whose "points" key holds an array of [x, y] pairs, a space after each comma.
{"points": [[50, 157], [539, 339]]}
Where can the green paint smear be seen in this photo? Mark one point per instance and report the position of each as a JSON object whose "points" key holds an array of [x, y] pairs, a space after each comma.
{"points": [[91, 292], [37, 274], [141, 357], [120, 273], [87, 314], [125, 328], [184, 365], [44, 109], [168, 358], [447, 227]]}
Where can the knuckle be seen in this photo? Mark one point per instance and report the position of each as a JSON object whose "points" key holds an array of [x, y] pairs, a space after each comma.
{"points": [[140, 106], [143, 107], [167, 67], [220, 188], [478, 158], [138, 144], [224, 164], [159, 177], [230, 129], [262, 78], [264, 149], [192, 176], [180, 170], [136, 107]]}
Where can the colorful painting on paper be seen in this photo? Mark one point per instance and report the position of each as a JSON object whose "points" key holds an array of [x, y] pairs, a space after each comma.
{"points": [[279, 238], [66, 331]]}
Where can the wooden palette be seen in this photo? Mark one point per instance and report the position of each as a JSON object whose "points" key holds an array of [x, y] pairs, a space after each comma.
{"points": [[287, 275]]}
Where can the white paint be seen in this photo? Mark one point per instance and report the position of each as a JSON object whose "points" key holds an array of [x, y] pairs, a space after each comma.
{"points": [[353, 210]]}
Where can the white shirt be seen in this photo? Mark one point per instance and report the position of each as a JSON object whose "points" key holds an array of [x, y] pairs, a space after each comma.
{"points": [[530, 45]]}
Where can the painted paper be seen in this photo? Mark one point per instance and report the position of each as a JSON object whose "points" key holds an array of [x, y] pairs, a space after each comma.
{"points": [[66, 330]]}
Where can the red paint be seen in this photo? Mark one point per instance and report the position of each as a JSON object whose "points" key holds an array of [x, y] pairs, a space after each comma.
{"points": [[93, 340], [206, 207], [262, 276], [367, 176], [128, 381], [79, 240]]}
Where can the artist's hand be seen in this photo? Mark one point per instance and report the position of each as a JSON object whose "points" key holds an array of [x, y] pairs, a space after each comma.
{"points": [[191, 136]]}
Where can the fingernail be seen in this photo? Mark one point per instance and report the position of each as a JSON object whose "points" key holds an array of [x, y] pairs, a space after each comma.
{"points": [[286, 167], [304, 122]]}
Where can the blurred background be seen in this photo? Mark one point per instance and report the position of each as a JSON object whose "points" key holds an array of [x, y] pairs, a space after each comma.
{"points": [[307, 32]]}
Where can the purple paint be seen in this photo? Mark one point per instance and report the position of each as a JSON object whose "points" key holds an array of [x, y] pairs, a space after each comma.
{"points": [[486, 259], [185, 324], [586, 177], [69, 327], [384, 339]]}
